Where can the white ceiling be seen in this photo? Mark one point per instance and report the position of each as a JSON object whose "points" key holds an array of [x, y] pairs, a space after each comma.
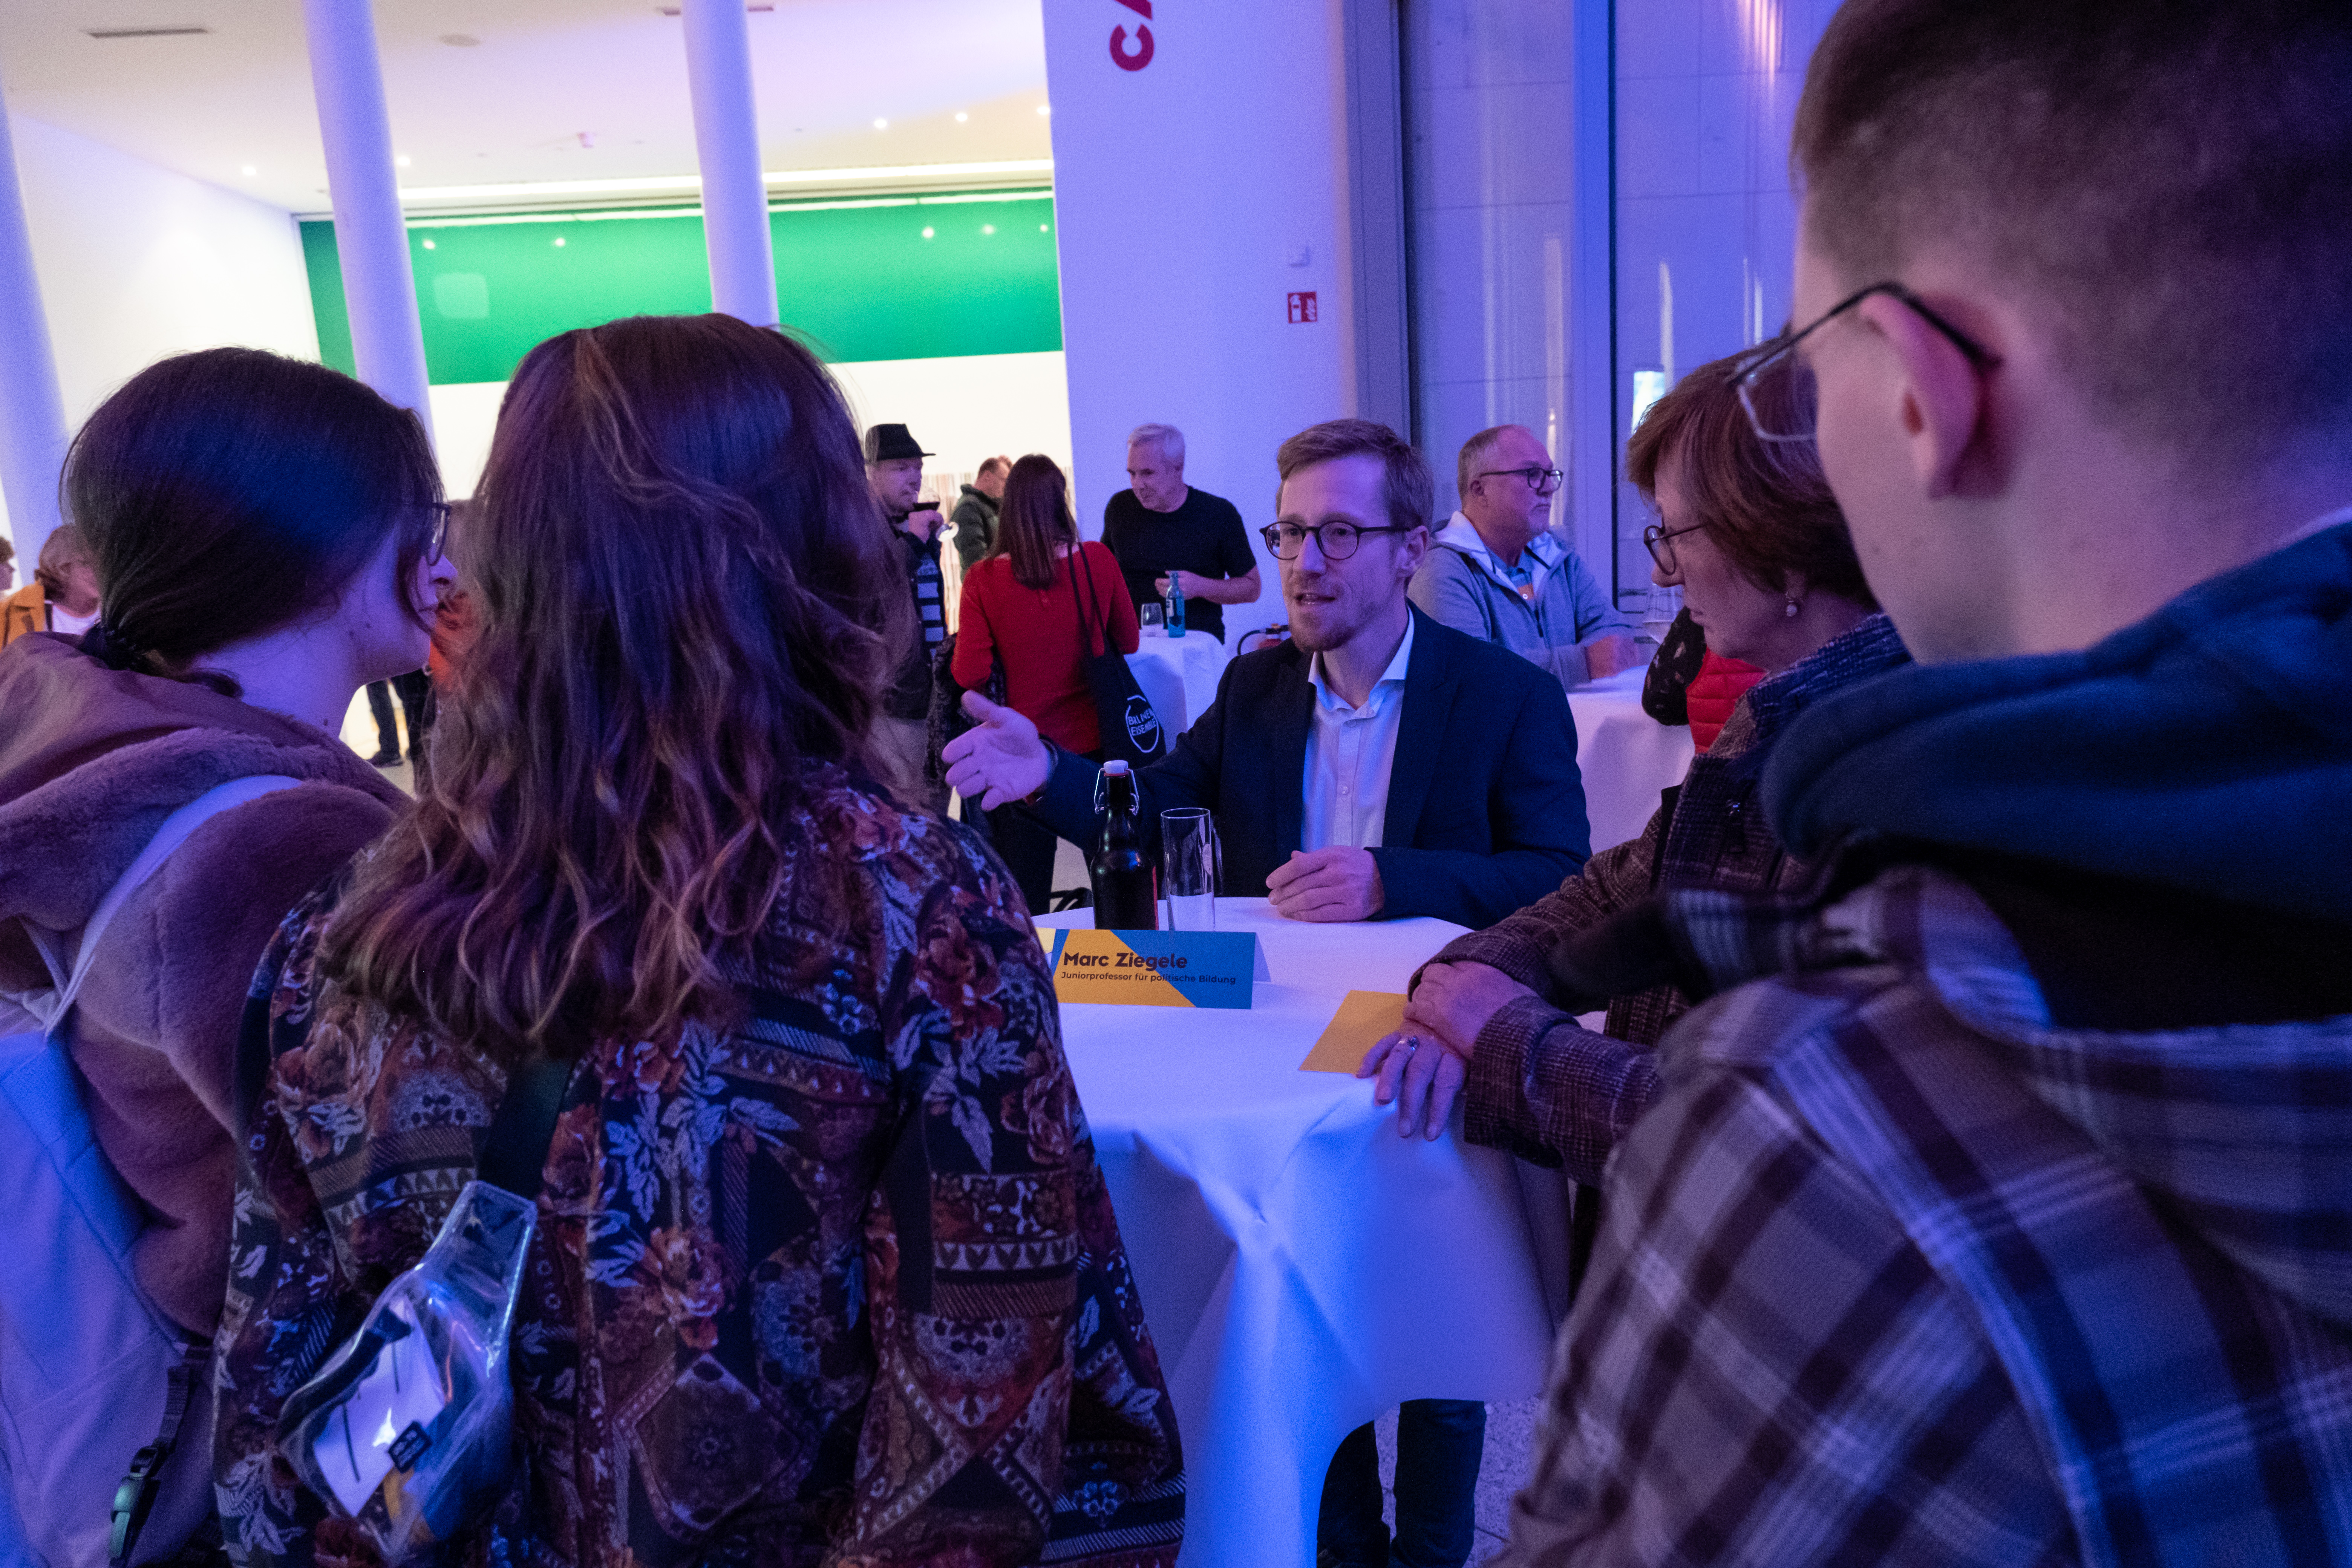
{"points": [[550, 90]]}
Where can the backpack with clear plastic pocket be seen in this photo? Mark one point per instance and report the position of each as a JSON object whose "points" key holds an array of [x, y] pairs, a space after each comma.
{"points": [[405, 1430]]}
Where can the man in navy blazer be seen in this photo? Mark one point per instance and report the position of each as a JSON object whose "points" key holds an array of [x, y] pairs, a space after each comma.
{"points": [[1378, 764]]}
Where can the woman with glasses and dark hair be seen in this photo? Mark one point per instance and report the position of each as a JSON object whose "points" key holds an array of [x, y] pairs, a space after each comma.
{"points": [[1748, 531], [824, 1267], [264, 531]]}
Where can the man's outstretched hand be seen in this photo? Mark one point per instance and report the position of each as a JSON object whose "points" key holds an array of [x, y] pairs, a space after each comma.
{"points": [[999, 760]]}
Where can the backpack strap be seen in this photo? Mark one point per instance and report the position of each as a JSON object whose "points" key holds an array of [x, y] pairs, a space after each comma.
{"points": [[1092, 617], [51, 1010], [514, 1153], [136, 1498]]}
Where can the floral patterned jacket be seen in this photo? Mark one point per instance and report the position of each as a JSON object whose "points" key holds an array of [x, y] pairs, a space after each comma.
{"points": [[836, 1284]]}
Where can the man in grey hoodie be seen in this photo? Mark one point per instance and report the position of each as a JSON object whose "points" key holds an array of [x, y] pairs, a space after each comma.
{"points": [[1498, 573], [1998, 1207]]}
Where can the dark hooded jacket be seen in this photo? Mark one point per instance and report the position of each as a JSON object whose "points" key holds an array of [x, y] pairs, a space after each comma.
{"points": [[2009, 1173]]}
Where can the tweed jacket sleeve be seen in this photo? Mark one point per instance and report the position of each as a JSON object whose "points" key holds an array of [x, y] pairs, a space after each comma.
{"points": [[1540, 1085]]}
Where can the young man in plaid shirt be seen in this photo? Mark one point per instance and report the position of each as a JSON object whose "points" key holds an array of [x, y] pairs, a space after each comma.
{"points": [[1998, 1207]]}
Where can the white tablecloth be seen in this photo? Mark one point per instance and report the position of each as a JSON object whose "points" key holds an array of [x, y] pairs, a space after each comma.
{"points": [[1178, 675], [1625, 755], [1302, 1268]]}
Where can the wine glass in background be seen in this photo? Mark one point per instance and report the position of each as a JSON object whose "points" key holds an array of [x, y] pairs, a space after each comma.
{"points": [[1152, 619], [1658, 613]]}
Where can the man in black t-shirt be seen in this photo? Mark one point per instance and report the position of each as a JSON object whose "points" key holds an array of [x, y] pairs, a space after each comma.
{"points": [[1163, 529]]}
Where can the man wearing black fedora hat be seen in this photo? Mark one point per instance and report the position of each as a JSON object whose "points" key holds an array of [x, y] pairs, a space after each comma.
{"points": [[894, 470]]}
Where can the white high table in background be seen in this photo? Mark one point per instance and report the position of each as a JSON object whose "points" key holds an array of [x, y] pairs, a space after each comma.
{"points": [[1302, 1268], [1626, 756], [1177, 675]]}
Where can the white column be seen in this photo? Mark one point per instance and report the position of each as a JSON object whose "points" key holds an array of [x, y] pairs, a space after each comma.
{"points": [[32, 414], [379, 289], [727, 143], [1590, 503]]}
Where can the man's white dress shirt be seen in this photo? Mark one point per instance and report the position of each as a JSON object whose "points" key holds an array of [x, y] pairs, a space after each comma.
{"points": [[1351, 753]]}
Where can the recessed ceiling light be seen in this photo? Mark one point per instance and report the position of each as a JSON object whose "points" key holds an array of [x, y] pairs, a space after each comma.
{"points": [[247, 169], [962, 117], [927, 233], [881, 125], [558, 242], [400, 160], [460, 40], [988, 228], [1044, 109], [1046, 228], [430, 245]]}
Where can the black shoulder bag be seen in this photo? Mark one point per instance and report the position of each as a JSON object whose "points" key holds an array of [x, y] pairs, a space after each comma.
{"points": [[1131, 730]]}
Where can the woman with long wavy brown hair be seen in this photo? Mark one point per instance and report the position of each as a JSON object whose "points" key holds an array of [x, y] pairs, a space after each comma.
{"points": [[825, 1268]]}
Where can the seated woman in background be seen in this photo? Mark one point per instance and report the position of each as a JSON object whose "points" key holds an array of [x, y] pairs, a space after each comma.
{"points": [[824, 1267], [265, 530], [63, 594], [1029, 606], [1748, 531]]}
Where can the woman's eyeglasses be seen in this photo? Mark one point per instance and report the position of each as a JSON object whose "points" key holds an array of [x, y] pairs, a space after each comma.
{"points": [[1660, 542]]}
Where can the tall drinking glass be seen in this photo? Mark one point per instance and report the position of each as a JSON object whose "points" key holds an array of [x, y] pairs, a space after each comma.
{"points": [[1190, 862]]}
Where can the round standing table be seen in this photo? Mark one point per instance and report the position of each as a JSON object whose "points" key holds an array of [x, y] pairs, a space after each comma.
{"points": [[1302, 1268], [1626, 756]]}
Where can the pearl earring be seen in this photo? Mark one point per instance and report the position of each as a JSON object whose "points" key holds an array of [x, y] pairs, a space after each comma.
{"points": [[1791, 611]]}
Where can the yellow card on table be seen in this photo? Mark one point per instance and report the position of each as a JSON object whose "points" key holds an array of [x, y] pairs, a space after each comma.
{"points": [[1363, 1016]]}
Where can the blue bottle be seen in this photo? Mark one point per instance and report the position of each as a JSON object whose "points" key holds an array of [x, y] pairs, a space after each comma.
{"points": [[1175, 607]]}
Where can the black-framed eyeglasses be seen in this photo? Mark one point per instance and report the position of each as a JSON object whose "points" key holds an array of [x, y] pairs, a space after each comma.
{"points": [[1543, 481], [1337, 541], [1659, 541], [1776, 386], [440, 539]]}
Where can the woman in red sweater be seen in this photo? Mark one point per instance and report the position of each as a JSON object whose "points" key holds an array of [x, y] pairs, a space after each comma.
{"points": [[1040, 603]]}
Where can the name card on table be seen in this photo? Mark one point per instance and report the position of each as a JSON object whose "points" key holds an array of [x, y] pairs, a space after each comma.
{"points": [[1363, 1018], [1155, 968]]}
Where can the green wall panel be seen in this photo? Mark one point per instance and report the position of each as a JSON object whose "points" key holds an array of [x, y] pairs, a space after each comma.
{"points": [[859, 282]]}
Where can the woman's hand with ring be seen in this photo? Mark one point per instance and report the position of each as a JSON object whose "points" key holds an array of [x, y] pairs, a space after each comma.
{"points": [[1420, 1073]]}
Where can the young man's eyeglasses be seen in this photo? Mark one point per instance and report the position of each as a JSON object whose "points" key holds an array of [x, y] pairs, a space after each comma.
{"points": [[1659, 541], [1776, 386], [1543, 481], [1337, 541]]}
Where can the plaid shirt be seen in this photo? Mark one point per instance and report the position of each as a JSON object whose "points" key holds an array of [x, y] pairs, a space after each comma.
{"points": [[1894, 1270]]}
